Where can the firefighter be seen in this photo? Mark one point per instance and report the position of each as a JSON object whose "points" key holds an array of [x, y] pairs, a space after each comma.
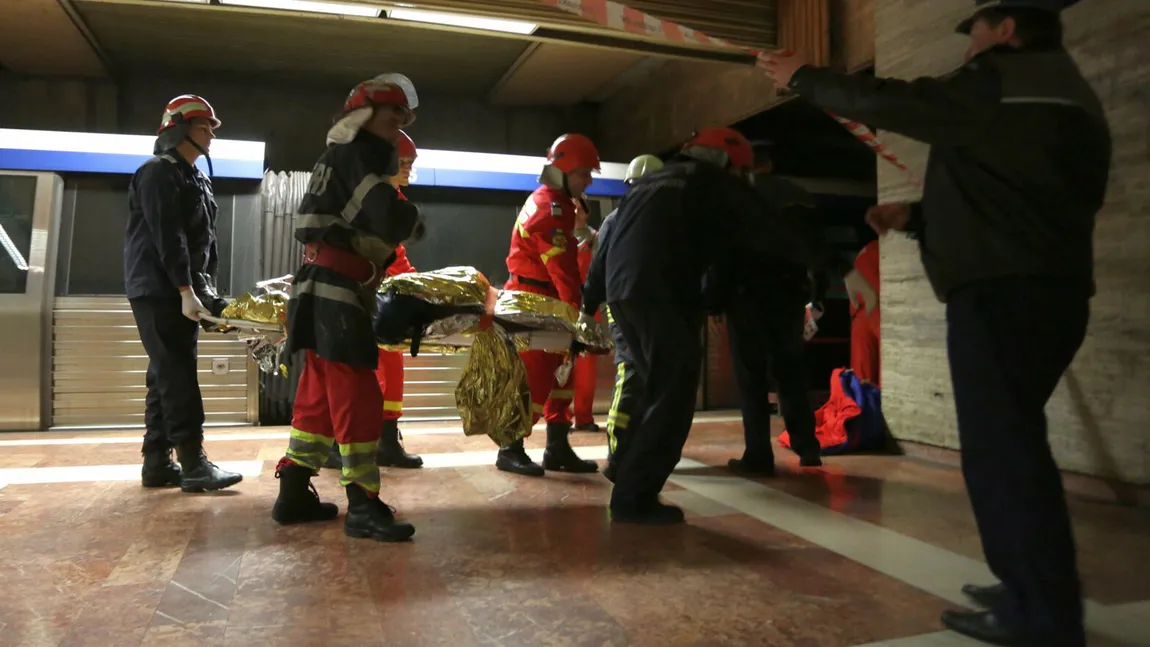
{"points": [[390, 369], [764, 299], [627, 385], [351, 221], [866, 328], [543, 259], [585, 373], [1018, 170], [171, 259], [670, 228]]}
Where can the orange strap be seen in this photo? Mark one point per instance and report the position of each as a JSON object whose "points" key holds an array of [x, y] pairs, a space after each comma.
{"points": [[489, 308]]}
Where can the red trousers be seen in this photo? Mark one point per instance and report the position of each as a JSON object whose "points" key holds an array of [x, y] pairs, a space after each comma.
{"points": [[865, 346], [549, 399], [585, 375], [337, 402], [390, 376]]}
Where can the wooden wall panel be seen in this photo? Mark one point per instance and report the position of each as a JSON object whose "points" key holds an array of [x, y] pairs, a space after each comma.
{"points": [[804, 26], [852, 34]]}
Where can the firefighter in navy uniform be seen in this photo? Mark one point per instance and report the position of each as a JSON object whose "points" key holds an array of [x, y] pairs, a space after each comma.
{"points": [[1018, 170], [543, 260], [351, 220], [670, 228], [390, 369], [764, 299], [170, 264], [627, 384], [585, 373]]}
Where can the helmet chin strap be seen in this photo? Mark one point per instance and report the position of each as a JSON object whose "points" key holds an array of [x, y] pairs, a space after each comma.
{"points": [[188, 138]]}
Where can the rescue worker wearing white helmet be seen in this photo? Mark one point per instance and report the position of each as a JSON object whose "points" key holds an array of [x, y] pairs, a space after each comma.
{"points": [[351, 221], [171, 259], [627, 384]]}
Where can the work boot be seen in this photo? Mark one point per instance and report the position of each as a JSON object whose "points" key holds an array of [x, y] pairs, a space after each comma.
{"points": [[391, 451], [986, 597], [810, 460], [198, 473], [513, 458], [370, 518], [588, 426], [334, 459], [655, 514], [298, 501], [559, 457], [159, 469], [752, 466]]}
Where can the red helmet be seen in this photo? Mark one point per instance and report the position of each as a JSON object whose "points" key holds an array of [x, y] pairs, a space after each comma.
{"points": [[730, 141], [384, 90], [572, 151], [406, 146], [185, 108]]}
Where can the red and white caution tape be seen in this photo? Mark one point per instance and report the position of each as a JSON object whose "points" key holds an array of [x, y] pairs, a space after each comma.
{"points": [[620, 17]]}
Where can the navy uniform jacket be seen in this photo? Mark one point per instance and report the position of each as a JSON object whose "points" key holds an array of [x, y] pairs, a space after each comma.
{"points": [[171, 235], [349, 204]]}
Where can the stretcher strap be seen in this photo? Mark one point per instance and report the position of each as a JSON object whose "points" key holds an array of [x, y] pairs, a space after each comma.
{"points": [[489, 308], [620, 17]]}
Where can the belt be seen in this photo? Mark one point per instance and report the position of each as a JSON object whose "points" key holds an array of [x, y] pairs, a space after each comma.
{"points": [[535, 282], [344, 262]]}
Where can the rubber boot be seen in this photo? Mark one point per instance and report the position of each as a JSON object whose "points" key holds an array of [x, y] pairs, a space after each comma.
{"points": [[159, 469], [334, 459], [559, 457], [198, 473], [391, 451], [370, 518], [298, 501], [513, 458]]}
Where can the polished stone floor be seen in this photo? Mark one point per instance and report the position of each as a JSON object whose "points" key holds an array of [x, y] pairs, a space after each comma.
{"points": [[866, 551]]}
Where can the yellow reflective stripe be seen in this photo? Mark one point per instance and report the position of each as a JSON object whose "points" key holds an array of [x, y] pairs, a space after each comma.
{"points": [[613, 413], [392, 405], [307, 449], [607, 311], [620, 419], [366, 477], [523, 233], [562, 394], [551, 253], [308, 437], [355, 204], [536, 408], [351, 449]]}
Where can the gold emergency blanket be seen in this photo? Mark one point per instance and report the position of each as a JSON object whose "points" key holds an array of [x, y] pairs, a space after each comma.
{"points": [[455, 286], [492, 395]]}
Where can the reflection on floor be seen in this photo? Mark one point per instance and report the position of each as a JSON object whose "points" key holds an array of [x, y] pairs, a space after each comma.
{"points": [[866, 551]]}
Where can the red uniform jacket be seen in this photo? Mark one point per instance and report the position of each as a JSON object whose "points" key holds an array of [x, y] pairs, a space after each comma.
{"points": [[400, 265], [588, 240], [543, 246], [867, 264]]}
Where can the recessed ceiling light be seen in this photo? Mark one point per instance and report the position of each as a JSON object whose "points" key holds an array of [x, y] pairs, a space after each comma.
{"points": [[310, 6], [460, 20]]}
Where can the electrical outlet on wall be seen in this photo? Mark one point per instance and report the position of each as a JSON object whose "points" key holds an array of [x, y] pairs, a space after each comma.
{"points": [[221, 366]]}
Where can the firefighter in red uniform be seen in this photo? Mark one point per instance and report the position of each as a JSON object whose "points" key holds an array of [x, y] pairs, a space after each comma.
{"points": [[351, 221], [543, 260], [390, 370], [866, 328], [585, 374]]}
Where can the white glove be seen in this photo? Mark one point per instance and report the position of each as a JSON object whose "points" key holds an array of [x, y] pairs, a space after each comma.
{"points": [[810, 325], [190, 305], [859, 289]]}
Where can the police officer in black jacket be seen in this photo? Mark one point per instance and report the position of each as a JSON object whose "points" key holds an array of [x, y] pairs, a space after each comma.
{"points": [[764, 300], [671, 226], [170, 264], [1017, 173]]}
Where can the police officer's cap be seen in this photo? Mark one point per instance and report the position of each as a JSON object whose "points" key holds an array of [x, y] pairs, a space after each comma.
{"points": [[1056, 6]]}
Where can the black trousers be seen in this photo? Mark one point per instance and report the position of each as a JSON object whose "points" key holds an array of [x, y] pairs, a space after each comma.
{"points": [[765, 335], [666, 346], [628, 387], [174, 408], [1009, 342]]}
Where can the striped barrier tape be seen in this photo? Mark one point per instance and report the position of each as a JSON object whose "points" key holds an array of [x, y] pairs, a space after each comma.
{"points": [[618, 16]]}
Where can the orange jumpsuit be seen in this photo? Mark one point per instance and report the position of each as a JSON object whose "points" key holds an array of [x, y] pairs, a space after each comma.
{"points": [[543, 260], [866, 329], [389, 373], [586, 371]]}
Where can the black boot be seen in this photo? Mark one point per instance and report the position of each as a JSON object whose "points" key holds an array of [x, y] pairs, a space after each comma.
{"points": [[198, 473], [810, 460], [752, 466], [986, 597], [298, 501], [159, 469], [513, 458], [370, 518], [559, 457], [588, 426], [391, 452], [334, 459], [654, 514]]}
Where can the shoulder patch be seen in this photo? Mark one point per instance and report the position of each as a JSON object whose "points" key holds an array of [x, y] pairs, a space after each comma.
{"points": [[556, 209]]}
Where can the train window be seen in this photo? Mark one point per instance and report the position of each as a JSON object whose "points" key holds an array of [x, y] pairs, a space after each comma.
{"points": [[17, 199]]}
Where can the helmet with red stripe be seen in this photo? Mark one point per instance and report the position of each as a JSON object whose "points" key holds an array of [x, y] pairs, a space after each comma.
{"points": [[186, 107], [384, 90], [573, 151], [722, 146], [406, 152]]}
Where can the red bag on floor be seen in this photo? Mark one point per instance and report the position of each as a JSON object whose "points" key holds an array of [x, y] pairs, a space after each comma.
{"points": [[831, 418]]}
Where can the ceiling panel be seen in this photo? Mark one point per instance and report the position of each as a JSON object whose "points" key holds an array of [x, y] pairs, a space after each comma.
{"points": [[551, 73], [179, 38], [27, 26]]}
